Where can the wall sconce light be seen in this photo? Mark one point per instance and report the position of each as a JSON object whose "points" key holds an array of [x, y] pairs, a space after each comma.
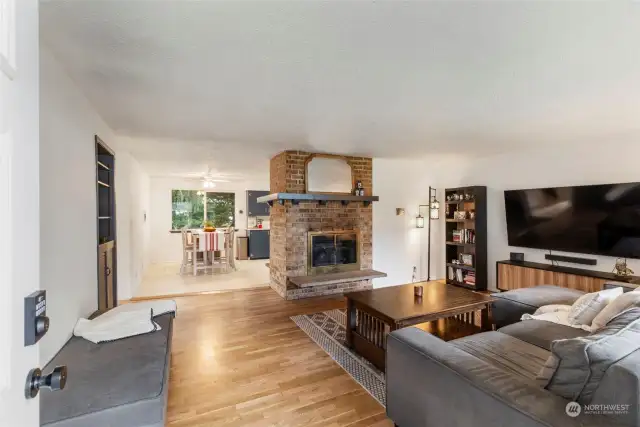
{"points": [[419, 221], [399, 211]]}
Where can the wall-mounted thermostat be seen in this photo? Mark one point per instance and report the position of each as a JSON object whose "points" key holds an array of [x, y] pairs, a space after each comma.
{"points": [[36, 322]]}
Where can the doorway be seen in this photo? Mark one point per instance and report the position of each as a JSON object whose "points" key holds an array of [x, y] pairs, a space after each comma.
{"points": [[106, 226]]}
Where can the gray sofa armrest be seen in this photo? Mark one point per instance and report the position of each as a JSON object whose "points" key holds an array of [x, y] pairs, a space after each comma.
{"points": [[626, 287], [433, 384], [506, 312]]}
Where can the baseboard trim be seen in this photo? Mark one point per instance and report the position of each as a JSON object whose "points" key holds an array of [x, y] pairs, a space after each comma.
{"points": [[189, 294]]}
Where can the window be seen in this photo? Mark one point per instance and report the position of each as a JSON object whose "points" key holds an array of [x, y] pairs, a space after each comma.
{"points": [[191, 208]]}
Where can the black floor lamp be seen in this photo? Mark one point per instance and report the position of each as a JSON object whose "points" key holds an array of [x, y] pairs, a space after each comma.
{"points": [[434, 213]]}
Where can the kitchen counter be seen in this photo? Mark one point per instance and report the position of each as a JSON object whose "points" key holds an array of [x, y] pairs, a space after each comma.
{"points": [[257, 229]]}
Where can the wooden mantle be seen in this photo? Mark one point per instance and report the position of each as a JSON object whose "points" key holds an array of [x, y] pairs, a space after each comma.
{"points": [[310, 197], [331, 278]]}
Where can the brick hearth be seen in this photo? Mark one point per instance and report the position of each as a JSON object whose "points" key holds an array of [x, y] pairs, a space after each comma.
{"points": [[291, 223]]}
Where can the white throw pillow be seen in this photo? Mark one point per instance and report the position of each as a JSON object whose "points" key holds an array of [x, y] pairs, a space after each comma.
{"points": [[617, 306], [588, 306], [551, 308]]}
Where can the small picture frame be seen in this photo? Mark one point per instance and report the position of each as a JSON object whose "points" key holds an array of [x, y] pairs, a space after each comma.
{"points": [[460, 215], [466, 259]]}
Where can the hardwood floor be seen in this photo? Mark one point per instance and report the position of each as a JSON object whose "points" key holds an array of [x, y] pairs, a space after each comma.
{"points": [[165, 280], [238, 360]]}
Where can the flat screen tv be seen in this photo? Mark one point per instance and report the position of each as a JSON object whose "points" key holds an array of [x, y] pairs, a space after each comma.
{"points": [[589, 219]]}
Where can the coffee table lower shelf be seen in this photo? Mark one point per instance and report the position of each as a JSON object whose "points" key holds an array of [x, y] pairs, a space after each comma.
{"points": [[366, 333]]}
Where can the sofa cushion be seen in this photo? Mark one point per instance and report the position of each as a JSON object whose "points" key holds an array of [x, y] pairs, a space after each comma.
{"points": [[508, 307], [576, 366], [542, 295], [621, 386], [541, 333], [121, 382], [505, 352]]}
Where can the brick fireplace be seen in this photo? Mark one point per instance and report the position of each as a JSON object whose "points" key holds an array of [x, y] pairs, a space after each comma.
{"points": [[340, 227]]}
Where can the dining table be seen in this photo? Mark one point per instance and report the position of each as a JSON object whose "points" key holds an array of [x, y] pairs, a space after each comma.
{"points": [[208, 243]]}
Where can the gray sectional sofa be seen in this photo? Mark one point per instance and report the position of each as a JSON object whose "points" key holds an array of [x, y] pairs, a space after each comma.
{"points": [[123, 383], [489, 379]]}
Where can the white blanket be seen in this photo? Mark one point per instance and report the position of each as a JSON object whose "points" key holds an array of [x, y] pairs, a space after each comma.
{"points": [[124, 321], [555, 314]]}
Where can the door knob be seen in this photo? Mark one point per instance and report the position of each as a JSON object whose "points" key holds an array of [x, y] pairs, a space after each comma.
{"points": [[56, 380]]}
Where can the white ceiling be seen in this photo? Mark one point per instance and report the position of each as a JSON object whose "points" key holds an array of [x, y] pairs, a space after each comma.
{"points": [[381, 78]]}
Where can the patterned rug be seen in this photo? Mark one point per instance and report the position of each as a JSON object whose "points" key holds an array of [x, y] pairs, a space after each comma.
{"points": [[327, 329]]}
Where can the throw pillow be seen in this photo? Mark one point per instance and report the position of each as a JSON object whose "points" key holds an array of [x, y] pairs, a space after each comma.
{"points": [[587, 307], [617, 306], [577, 365]]}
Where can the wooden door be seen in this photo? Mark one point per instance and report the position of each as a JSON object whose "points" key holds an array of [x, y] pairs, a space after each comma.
{"points": [[513, 277], [504, 278], [109, 273], [516, 277], [102, 280], [582, 283]]}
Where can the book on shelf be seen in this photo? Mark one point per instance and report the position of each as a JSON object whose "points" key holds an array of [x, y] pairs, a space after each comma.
{"points": [[466, 235], [459, 275], [470, 278]]}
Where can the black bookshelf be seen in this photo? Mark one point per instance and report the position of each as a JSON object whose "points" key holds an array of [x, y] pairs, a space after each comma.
{"points": [[106, 226], [466, 236]]}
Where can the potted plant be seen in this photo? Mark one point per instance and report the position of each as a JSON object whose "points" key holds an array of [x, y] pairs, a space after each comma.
{"points": [[208, 226]]}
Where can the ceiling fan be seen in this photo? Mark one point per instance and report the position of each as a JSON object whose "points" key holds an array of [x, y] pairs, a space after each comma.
{"points": [[209, 178]]}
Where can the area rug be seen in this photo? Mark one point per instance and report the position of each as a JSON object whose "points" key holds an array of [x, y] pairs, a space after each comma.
{"points": [[327, 329]]}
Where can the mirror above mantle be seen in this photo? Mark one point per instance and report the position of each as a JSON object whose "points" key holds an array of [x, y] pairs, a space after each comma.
{"points": [[328, 174]]}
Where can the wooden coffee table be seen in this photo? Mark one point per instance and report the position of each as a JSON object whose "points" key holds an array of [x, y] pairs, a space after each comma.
{"points": [[372, 315]]}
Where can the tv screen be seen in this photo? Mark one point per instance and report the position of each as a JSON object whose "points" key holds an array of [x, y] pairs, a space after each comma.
{"points": [[589, 219]]}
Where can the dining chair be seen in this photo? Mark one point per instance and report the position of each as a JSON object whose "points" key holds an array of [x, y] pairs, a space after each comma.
{"points": [[222, 260], [187, 249], [230, 245], [200, 262]]}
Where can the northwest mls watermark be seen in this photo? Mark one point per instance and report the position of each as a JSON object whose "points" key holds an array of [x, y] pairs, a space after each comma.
{"points": [[574, 409]]}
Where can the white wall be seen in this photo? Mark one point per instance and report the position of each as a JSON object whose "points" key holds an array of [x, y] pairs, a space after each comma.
{"points": [[68, 250], [165, 246], [397, 244], [133, 229], [611, 161], [68, 124]]}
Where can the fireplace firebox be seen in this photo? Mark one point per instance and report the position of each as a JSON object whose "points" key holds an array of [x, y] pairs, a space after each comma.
{"points": [[333, 251]]}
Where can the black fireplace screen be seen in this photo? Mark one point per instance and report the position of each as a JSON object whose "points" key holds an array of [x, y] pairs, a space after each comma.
{"points": [[334, 249]]}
